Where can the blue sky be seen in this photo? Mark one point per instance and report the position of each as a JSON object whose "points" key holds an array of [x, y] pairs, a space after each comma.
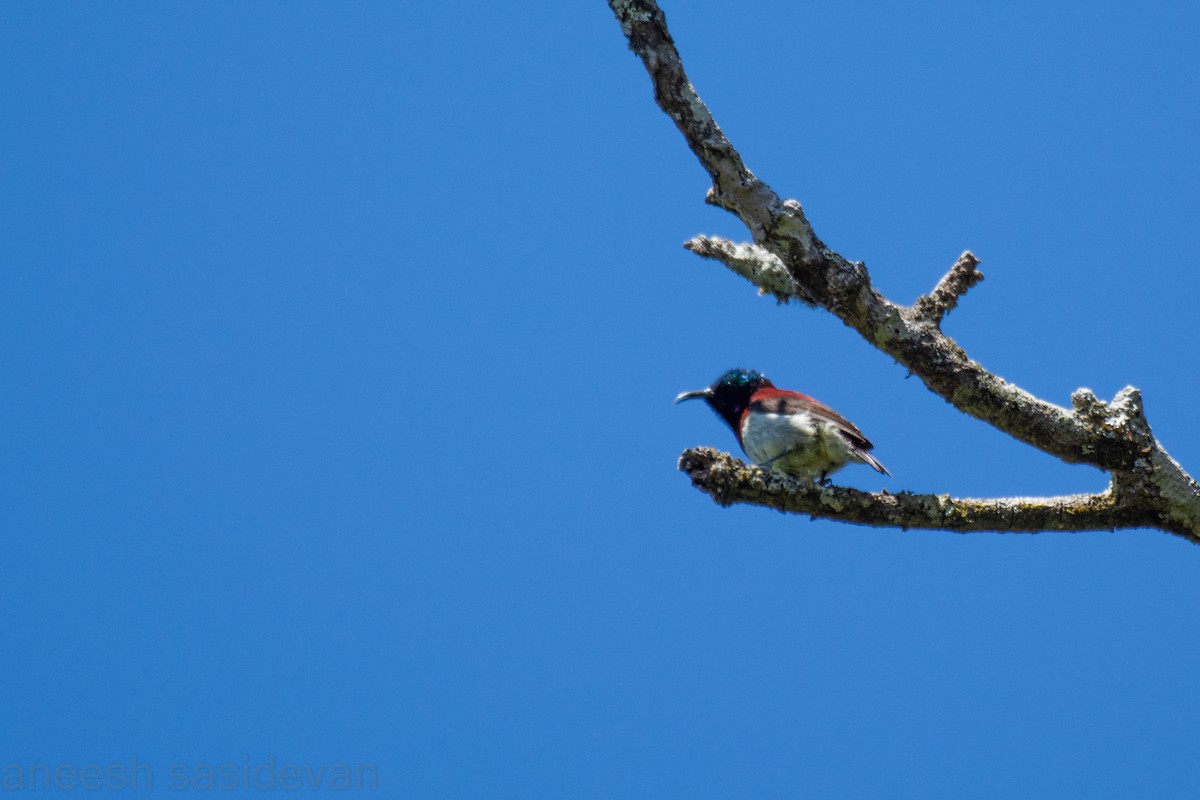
{"points": [[340, 344]]}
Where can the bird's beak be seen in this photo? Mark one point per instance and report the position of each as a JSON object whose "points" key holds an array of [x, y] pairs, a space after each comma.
{"points": [[703, 394]]}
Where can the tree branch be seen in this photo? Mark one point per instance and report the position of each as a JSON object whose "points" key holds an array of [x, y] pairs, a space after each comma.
{"points": [[954, 284], [756, 264], [788, 260], [729, 480]]}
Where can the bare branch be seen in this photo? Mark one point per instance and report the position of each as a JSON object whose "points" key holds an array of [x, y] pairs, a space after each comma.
{"points": [[734, 186], [1175, 491], [954, 284], [1115, 437], [756, 264], [729, 480], [646, 28]]}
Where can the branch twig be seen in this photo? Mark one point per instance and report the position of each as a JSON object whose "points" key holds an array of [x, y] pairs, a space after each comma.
{"points": [[756, 264], [954, 284]]}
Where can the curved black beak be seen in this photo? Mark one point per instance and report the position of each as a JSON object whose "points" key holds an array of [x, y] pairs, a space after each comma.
{"points": [[702, 394]]}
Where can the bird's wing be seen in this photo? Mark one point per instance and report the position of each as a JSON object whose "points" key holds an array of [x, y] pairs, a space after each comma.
{"points": [[782, 401]]}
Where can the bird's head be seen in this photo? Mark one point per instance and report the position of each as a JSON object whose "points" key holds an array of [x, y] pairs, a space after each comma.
{"points": [[729, 395]]}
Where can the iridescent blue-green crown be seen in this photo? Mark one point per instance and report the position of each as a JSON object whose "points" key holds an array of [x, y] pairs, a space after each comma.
{"points": [[741, 377]]}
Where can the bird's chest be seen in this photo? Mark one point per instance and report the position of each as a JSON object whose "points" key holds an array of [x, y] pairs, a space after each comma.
{"points": [[795, 443], [766, 436]]}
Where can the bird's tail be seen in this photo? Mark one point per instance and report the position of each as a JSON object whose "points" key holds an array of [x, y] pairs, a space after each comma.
{"points": [[869, 459]]}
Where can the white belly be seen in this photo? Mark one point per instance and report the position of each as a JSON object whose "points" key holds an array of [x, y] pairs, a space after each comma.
{"points": [[798, 444]]}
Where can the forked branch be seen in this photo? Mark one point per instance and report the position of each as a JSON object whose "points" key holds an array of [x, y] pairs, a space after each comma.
{"points": [[789, 261]]}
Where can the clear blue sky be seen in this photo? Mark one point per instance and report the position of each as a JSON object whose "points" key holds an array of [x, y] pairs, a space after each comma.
{"points": [[339, 349]]}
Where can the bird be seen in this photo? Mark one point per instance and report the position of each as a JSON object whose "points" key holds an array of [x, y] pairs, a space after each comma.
{"points": [[783, 430]]}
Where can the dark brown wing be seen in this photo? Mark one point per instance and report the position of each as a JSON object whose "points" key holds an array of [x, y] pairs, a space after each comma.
{"points": [[781, 401]]}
